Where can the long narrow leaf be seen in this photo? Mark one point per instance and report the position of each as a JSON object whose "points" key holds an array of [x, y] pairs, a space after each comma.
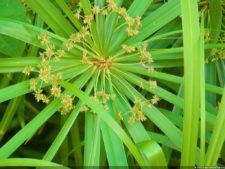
{"points": [[218, 136], [191, 34]]}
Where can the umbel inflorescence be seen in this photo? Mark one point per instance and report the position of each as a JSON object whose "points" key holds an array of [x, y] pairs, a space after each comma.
{"points": [[93, 56]]}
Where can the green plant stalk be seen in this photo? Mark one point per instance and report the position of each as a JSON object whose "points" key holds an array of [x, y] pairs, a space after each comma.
{"points": [[202, 94], [114, 147], [10, 112], [110, 24], [92, 140], [64, 7], [218, 136], [92, 137], [28, 162], [221, 72], [5, 81], [86, 6], [51, 15], [75, 138], [33, 50], [191, 35], [215, 17], [8, 115], [8, 148], [64, 149]]}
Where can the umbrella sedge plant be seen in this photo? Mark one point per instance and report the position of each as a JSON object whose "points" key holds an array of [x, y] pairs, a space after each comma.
{"points": [[113, 83]]}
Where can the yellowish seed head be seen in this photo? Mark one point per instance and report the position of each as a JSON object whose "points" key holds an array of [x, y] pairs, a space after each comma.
{"points": [[27, 70], [56, 91], [96, 10]]}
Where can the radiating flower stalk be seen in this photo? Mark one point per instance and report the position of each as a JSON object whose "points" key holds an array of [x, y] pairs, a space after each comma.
{"points": [[96, 58]]}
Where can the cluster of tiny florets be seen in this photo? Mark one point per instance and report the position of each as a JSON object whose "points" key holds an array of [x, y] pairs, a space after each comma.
{"points": [[102, 98], [145, 60], [128, 49], [216, 54], [136, 112], [67, 104], [137, 115], [133, 24], [46, 75], [144, 54]]}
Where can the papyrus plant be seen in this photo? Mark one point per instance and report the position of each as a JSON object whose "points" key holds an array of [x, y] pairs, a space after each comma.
{"points": [[101, 68]]}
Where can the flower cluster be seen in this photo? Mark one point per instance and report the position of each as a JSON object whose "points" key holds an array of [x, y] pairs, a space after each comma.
{"points": [[83, 41], [137, 115], [102, 97], [71, 4], [67, 104], [133, 24], [128, 49], [137, 109], [217, 54], [45, 75], [144, 54], [145, 60]]}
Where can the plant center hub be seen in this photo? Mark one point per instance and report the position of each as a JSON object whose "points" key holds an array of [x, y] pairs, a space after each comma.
{"points": [[103, 63]]}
